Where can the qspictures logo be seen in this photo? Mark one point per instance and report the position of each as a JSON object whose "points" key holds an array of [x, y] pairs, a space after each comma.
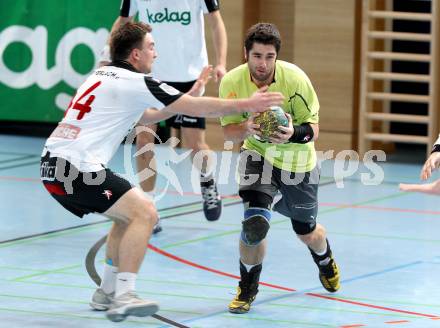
{"points": [[168, 16]]}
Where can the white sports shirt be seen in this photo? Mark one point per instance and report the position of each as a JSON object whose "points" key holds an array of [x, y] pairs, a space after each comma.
{"points": [[179, 34], [105, 108]]}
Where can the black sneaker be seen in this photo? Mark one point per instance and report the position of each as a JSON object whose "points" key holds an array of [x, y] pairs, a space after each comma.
{"points": [[247, 290], [157, 227], [212, 203], [328, 270]]}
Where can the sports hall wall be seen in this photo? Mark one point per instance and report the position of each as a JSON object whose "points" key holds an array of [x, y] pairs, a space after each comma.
{"points": [[52, 53], [322, 40]]}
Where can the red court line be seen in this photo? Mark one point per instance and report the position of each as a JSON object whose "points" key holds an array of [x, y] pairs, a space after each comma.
{"points": [[193, 264], [179, 259], [396, 322], [431, 316], [351, 326]]}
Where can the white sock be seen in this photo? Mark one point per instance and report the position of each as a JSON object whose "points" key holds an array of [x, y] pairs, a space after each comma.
{"points": [[109, 278], [125, 282], [321, 253], [206, 175], [248, 266]]}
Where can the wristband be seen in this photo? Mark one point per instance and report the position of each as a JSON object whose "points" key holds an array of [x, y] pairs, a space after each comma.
{"points": [[302, 134], [435, 148]]}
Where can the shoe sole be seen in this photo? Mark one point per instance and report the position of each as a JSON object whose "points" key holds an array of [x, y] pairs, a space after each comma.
{"points": [[238, 311], [136, 311], [99, 307], [255, 229]]}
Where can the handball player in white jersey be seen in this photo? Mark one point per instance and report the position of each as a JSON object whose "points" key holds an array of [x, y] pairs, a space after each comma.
{"points": [[74, 161], [178, 28]]}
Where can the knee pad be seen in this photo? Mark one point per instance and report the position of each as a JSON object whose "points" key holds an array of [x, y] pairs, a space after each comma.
{"points": [[257, 216], [255, 225], [303, 228]]}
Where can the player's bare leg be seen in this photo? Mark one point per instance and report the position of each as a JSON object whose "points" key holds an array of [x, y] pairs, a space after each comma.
{"points": [[139, 215], [146, 162], [322, 255], [103, 296], [251, 259]]}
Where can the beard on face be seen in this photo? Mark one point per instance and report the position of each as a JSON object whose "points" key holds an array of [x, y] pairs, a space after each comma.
{"points": [[258, 76]]}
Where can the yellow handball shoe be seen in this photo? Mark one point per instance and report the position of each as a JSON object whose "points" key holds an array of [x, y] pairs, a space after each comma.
{"points": [[241, 302], [329, 276]]}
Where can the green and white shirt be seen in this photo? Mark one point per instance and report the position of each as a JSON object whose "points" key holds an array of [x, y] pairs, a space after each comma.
{"points": [[301, 102], [179, 34]]}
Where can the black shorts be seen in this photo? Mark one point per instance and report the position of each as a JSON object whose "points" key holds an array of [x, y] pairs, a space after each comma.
{"points": [[181, 120], [299, 191], [81, 192]]}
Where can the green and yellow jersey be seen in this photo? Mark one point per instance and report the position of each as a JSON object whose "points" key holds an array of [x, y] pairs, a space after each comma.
{"points": [[300, 102]]}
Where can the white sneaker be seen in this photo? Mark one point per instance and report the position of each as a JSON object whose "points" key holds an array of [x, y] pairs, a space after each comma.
{"points": [[130, 304], [100, 300]]}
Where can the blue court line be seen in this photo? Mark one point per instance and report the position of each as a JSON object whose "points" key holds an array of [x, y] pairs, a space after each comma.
{"points": [[382, 272], [308, 290], [20, 158], [15, 153], [19, 165]]}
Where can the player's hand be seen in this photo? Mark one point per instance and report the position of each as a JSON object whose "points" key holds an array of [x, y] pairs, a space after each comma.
{"points": [[261, 100], [432, 163], [285, 132], [219, 72], [428, 188], [199, 86], [251, 127]]}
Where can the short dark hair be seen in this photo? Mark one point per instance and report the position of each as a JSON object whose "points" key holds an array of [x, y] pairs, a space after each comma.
{"points": [[264, 33], [126, 38]]}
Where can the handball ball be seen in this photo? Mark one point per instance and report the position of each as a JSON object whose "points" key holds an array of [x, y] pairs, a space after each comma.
{"points": [[269, 122]]}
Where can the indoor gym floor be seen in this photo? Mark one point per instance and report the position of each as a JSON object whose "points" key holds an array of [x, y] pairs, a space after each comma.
{"points": [[386, 242]]}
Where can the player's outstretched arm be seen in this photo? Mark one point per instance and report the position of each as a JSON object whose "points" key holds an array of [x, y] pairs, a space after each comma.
{"points": [[198, 88], [216, 107], [152, 115], [431, 164], [428, 188]]}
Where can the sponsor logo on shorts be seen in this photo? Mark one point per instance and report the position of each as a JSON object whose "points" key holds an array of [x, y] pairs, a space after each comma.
{"points": [[189, 119], [107, 193], [47, 172]]}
